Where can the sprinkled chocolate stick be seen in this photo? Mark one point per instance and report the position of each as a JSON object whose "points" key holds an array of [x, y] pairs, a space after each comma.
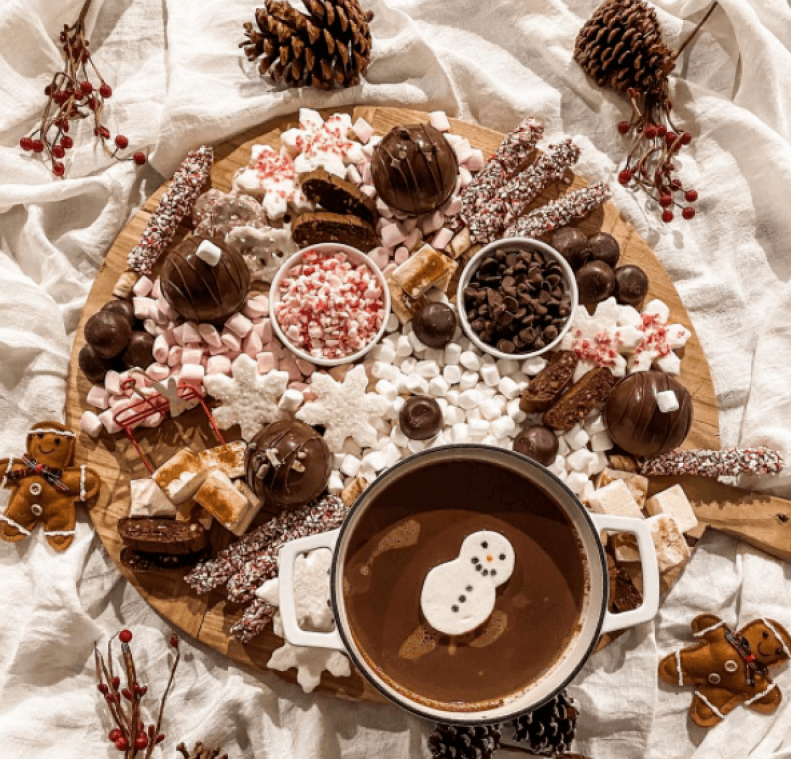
{"points": [[729, 462], [559, 213], [174, 206], [510, 200]]}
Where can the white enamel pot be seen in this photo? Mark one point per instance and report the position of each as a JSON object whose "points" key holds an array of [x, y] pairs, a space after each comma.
{"points": [[595, 619]]}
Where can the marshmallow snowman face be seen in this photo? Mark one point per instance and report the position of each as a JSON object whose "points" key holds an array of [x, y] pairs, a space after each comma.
{"points": [[459, 596]]}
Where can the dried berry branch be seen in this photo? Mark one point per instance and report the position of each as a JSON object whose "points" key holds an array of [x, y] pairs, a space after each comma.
{"points": [[72, 96]]}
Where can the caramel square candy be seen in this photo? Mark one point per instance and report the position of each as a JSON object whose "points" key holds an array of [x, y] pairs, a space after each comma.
{"points": [[614, 499], [637, 484], [403, 306], [672, 551], [228, 458], [148, 500], [181, 476], [422, 271], [674, 503], [225, 503]]}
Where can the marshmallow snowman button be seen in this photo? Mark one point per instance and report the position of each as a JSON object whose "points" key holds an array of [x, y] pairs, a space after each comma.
{"points": [[459, 596]]}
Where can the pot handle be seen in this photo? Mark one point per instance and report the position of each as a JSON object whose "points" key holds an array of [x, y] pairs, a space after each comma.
{"points": [[648, 562], [294, 634]]}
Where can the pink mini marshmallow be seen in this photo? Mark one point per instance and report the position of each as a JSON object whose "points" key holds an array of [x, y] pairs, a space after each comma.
{"points": [[239, 324], [158, 372], [369, 190], [465, 176], [353, 175], [254, 309], [363, 130], [264, 330], [266, 362], [380, 256], [231, 340], [112, 381], [90, 424], [191, 356], [367, 176], [476, 160], [191, 333], [191, 374], [106, 418], [392, 234], [442, 238], [98, 396], [153, 421], [174, 357], [389, 269], [289, 364], [413, 238], [275, 347], [401, 255], [164, 308], [145, 308], [252, 345], [463, 150], [218, 365], [305, 367], [432, 223], [384, 210], [453, 139], [143, 287], [439, 120], [453, 206], [219, 350], [210, 335], [150, 326], [161, 348], [156, 290]]}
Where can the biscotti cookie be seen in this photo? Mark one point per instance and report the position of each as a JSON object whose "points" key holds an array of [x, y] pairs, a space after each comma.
{"points": [[152, 535], [338, 196], [588, 393], [546, 387], [313, 228]]}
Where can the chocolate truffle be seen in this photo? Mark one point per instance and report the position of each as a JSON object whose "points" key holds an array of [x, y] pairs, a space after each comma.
{"points": [[537, 443], [92, 365], [420, 417], [435, 324], [123, 307], [631, 285], [108, 332], [288, 464], [635, 421], [604, 247], [572, 245], [200, 292], [414, 169], [140, 351], [595, 282]]}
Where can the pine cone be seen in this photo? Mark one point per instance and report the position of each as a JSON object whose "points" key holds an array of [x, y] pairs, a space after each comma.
{"points": [[621, 46], [462, 742], [549, 730], [329, 47]]}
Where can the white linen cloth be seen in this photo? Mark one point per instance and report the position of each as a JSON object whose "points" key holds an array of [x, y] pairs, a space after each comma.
{"points": [[179, 81]]}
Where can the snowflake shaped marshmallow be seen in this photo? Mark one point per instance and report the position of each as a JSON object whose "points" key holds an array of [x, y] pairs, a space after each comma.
{"points": [[309, 663], [658, 338], [345, 409], [248, 398]]}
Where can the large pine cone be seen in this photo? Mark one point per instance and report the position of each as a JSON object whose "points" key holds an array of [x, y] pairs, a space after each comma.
{"points": [[461, 742], [621, 46], [329, 47], [550, 729]]}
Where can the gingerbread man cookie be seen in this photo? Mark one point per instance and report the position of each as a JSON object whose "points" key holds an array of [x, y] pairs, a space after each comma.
{"points": [[45, 486], [729, 668]]}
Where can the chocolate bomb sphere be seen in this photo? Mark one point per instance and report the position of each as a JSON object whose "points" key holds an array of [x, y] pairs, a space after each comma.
{"points": [[595, 282], [123, 307], [631, 285], [420, 417], [634, 420], [572, 245], [108, 332], [92, 365], [199, 292], [435, 325], [604, 247], [140, 351], [537, 443], [414, 169], [297, 469]]}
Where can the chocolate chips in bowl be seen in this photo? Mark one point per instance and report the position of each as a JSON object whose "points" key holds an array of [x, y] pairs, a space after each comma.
{"points": [[517, 298]]}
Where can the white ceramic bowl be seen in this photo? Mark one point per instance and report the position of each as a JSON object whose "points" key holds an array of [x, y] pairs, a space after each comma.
{"points": [[354, 255], [515, 242]]}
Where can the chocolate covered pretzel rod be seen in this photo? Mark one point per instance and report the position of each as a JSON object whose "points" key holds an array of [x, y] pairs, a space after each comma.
{"points": [[729, 462], [559, 213], [174, 206], [254, 620], [510, 200], [322, 516]]}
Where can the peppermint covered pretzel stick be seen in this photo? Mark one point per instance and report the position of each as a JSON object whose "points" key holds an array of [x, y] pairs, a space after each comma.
{"points": [[254, 620], [211, 574], [510, 200], [559, 213], [174, 206], [322, 516], [729, 462]]}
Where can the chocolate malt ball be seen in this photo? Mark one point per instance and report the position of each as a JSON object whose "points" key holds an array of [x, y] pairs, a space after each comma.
{"points": [[108, 332]]}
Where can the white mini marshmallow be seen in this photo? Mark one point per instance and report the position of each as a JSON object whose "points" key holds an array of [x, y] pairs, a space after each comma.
{"points": [[291, 400], [398, 437], [469, 399], [580, 459], [595, 424], [576, 482], [490, 375], [468, 380], [601, 441], [508, 388], [533, 366], [452, 354], [470, 361], [427, 369], [384, 352], [438, 386], [382, 370], [667, 401], [452, 374], [515, 412], [478, 427], [452, 396], [403, 346], [335, 483], [350, 466], [490, 409], [417, 384], [576, 437], [460, 432], [209, 253], [386, 389], [453, 415], [416, 446], [503, 427]]}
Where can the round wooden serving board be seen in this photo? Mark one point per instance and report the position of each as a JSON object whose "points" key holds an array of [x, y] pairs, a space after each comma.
{"points": [[209, 617]]}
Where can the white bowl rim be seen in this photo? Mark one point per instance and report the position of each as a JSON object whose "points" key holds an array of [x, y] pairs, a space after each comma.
{"points": [[474, 263], [293, 260]]}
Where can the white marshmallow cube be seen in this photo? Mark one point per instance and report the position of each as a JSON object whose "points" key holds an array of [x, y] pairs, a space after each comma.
{"points": [[615, 499], [674, 503]]}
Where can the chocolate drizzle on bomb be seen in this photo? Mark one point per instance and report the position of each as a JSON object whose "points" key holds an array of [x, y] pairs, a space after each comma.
{"points": [[287, 464], [414, 169]]}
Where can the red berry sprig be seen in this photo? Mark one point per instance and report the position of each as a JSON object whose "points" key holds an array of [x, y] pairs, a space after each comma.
{"points": [[72, 96], [656, 141]]}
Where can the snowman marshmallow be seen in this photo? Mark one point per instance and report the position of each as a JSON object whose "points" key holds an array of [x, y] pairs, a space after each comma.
{"points": [[459, 596]]}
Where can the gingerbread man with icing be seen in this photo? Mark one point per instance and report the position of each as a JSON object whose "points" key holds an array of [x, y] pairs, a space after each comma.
{"points": [[45, 486], [729, 668]]}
